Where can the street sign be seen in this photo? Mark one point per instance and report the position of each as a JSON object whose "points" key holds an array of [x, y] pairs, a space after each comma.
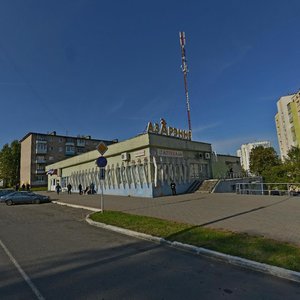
{"points": [[101, 162], [102, 148]]}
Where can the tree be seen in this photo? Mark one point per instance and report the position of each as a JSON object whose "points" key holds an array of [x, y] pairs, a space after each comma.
{"points": [[10, 163], [292, 164], [262, 160], [276, 174]]}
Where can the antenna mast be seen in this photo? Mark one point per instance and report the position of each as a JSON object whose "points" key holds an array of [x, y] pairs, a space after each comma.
{"points": [[185, 71]]}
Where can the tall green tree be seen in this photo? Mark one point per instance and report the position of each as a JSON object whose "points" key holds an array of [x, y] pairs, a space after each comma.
{"points": [[262, 160], [10, 163], [292, 164]]}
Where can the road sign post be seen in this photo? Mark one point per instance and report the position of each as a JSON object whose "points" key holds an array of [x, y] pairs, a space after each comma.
{"points": [[101, 163], [102, 200]]}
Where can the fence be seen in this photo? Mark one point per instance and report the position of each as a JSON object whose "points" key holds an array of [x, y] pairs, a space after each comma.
{"points": [[279, 189]]}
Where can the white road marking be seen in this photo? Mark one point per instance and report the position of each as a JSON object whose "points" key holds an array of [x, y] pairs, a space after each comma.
{"points": [[21, 271]]}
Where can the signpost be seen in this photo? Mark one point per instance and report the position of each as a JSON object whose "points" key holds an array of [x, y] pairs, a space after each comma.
{"points": [[101, 163]]}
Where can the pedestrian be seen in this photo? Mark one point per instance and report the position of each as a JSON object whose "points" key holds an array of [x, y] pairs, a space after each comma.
{"points": [[173, 187], [69, 187], [23, 187], [17, 187], [80, 189], [28, 187], [58, 188], [231, 173], [92, 188], [86, 190]]}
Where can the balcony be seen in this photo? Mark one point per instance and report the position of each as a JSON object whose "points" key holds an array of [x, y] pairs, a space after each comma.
{"points": [[40, 161], [70, 144], [40, 171], [70, 150], [41, 141], [70, 153], [41, 150]]}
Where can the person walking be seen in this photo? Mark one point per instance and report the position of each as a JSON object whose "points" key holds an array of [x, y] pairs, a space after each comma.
{"points": [[17, 187], [28, 187], [80, 189], [69, 187], [58, 188]]}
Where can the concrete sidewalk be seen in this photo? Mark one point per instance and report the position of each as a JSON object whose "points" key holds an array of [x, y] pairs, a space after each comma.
{"points": [[276, 217]]}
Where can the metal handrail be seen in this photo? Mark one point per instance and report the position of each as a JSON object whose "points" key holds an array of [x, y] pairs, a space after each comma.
{"points": [[281, 188]]}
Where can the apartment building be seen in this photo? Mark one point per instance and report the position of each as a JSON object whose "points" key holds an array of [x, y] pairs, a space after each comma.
{"points": [[244, 153], [39, 150], [287, 122]]}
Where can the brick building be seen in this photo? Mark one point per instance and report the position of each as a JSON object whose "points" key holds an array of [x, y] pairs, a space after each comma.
{"points": [[39, 150]]}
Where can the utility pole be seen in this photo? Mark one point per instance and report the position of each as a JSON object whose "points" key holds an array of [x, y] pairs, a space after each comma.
{"points": [[185, 71]]}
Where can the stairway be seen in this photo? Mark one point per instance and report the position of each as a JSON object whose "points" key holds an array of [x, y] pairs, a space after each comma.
{"points": [[207, 186], [193, 187]]}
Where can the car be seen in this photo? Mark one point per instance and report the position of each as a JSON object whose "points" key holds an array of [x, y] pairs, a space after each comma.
{"points": [[24, 197], [5, 192]]}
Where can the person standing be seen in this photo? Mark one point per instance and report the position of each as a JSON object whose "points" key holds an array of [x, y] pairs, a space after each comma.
{"points": [[28, 187], [69, 187], [92, 188], [173, 187], [58, 188], [17, 187], [80, 189]]}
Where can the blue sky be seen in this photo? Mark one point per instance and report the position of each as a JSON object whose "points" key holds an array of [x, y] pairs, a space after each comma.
{"points": [[106, 68]]}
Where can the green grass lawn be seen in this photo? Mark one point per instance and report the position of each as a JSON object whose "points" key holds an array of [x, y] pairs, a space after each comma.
{"points": [[256, 248]]}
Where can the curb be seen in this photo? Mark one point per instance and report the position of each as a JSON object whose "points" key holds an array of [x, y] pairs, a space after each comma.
{"points": [[234, 260], [77, 206]]}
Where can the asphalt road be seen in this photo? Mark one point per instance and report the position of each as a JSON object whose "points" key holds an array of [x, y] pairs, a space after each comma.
{"points": [[48, 251]]}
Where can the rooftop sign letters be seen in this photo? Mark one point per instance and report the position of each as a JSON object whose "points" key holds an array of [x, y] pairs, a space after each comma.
{"points": [[163, 129]]}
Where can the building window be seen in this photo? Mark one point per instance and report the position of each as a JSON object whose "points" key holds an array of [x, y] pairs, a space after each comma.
{"points": [[40, 167], [60, 140], [41, 138], [41, 148], [70, 141], [70, 150], [60, 149], [80, 143], [51, 158], [40, 178]]}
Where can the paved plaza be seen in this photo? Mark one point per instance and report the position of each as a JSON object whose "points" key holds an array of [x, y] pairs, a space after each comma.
{"points": [[276, 217]]}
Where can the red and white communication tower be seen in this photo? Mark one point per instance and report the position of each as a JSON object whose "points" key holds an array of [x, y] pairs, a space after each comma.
{"points": [[185, 71]]}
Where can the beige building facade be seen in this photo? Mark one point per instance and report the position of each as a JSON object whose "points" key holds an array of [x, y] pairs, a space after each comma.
{"points": [[287, 122], [38, 150], [142, 166]]}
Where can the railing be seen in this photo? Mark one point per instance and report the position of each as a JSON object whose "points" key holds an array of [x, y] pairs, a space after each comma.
{"points": [[229, 175], [39, 171], [40, 161], [40, 151], [272, 189]]}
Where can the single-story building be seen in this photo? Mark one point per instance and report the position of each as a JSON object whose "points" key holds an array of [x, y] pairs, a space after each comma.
{"points": [[141, 166]]}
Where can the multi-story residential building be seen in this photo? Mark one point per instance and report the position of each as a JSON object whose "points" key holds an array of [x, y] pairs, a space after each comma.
{"points": [[287, 122], [39, 150], [244, 153]]}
